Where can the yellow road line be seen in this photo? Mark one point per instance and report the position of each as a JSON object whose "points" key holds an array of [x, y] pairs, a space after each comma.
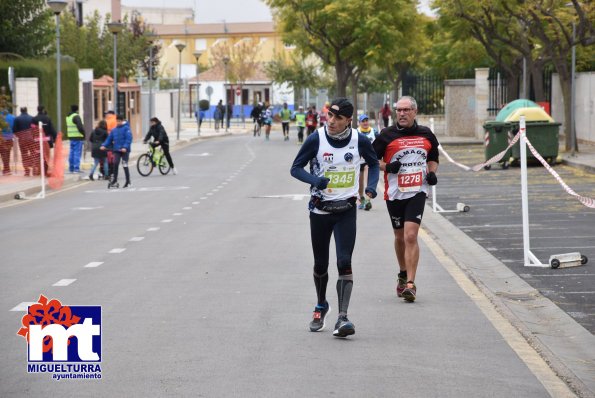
{"points": [[552, 383]]}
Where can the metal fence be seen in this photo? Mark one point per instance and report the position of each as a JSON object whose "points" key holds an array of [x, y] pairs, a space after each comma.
{"points": [[428, 91], [498, 89]]}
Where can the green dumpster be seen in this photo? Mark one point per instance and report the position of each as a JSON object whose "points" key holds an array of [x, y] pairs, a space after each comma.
{"points": [[496, 140], [542, 132]]}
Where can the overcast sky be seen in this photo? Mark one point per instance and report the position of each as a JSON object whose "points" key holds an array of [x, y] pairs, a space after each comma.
{"points": [[210, 11]]}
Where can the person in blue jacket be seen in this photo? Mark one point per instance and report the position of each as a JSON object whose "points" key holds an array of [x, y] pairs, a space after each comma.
{"points": [[119, 141], [6, 141]]}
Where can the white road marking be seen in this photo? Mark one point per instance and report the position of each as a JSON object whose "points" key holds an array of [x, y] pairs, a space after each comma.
{"points": [[224, 183], [24, 306], [195, 203], [153, 229], [204, 198], [94, 264], [187, 208], [198, 154], [64, 282], [88, 208], [210, 194], [137, 239], [177, 214], [167, 220], [220, 187], [117, 250], [144, 189], [216, 190]]}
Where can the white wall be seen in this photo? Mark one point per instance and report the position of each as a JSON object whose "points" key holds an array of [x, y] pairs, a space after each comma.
{"points": [[26, 94], [584, 105], [163, 108]]}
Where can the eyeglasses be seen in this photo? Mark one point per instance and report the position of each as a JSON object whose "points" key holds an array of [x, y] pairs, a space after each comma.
{"points": [[403, 110]]}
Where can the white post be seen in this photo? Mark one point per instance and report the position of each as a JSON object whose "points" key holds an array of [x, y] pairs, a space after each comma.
{"points": [[41, 168]]}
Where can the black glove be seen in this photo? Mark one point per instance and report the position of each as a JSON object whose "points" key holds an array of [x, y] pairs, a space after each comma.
{"points": [[322, 183], [431, 178], [393, 167]]}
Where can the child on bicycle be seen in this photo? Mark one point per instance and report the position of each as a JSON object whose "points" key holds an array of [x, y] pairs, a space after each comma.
{"points": [[157, 131]]}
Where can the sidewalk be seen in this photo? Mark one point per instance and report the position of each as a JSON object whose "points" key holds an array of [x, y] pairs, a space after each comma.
{"points": [[30, 186]]}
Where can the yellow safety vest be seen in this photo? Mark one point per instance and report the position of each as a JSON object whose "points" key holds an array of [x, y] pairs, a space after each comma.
{"points": [[71, 130]]}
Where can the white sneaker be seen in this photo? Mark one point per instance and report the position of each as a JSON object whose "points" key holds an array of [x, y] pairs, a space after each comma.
{"points": [[175, 171]]}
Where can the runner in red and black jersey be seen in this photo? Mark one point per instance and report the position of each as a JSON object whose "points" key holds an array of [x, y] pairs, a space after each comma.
{"points": [[408, 155]]}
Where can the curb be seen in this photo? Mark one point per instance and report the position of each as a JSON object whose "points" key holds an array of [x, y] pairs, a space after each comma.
{"points": [[578, 165], [566, 346]]}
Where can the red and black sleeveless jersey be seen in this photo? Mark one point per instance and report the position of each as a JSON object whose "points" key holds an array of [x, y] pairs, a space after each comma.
{"points": [[413, 147]]}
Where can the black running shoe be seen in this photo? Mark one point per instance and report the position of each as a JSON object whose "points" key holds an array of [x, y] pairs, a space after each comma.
{"points": [[343, 327], [410, 292], [319, 318], [128, 184]]}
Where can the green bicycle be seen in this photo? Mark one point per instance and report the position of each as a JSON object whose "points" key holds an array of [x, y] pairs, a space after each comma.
{"points": [[153, 158]]}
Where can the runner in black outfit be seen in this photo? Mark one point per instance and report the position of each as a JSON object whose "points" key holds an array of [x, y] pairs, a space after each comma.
{"points": [[334, 153]]}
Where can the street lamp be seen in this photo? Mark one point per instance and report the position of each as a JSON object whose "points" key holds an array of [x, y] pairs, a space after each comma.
{"points": [[225, 62], [151, 37], [180, 47], [115, 28], [57, 7], [572, 93], [197, 55]]}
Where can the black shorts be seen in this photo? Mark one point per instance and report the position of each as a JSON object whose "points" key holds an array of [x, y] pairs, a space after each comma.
{"points": [[411, 209]]}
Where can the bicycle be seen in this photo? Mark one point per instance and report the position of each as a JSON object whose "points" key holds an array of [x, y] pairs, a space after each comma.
{"points": [[257, 127], [147, 161]]}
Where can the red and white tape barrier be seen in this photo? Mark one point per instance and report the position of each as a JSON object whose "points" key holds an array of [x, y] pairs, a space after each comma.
{"points": [[589, 202], [478, 167]]}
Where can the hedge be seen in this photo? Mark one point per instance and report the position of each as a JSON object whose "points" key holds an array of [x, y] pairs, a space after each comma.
{"points": [[45, 71]]}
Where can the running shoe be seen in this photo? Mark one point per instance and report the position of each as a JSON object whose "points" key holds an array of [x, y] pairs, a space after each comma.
{"points": [[401, 285], [368, 205], [319, 317], [343, 327], [409, 292], [128, 184]]}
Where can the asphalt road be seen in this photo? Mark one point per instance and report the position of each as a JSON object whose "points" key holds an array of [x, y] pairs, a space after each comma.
{"points": [[558, 223], [210, 292]]}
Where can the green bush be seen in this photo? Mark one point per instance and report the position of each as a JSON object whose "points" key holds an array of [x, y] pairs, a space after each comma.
{"points": [[204, 105], [45, 71]]}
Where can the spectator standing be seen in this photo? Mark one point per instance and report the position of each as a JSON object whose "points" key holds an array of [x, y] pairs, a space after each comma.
{"points": [[23, 133], [97, 137], [7, 142], [120, 140], [385, 114], [76, 135], [311, 120]]}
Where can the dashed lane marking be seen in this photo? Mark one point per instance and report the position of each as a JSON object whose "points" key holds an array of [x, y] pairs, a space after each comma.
{"points": [[177, 214], [187, 208], [195, 203], [117, 250], [153, 229], [64, 282], [167, 220], [137, 239], [24, 306], [94, 264]]}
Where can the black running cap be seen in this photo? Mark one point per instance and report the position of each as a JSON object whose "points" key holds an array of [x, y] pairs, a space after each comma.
{"points": [[341, 106]]}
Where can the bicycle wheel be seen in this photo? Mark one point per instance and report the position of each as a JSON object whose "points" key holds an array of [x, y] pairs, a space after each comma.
{"points": [[164, 166], [144, 165]]}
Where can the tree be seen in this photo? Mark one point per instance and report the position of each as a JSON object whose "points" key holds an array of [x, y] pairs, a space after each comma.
{"points": [[91, 45], [551, 23], [297, 71], [26, 27], [344, 34]]}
